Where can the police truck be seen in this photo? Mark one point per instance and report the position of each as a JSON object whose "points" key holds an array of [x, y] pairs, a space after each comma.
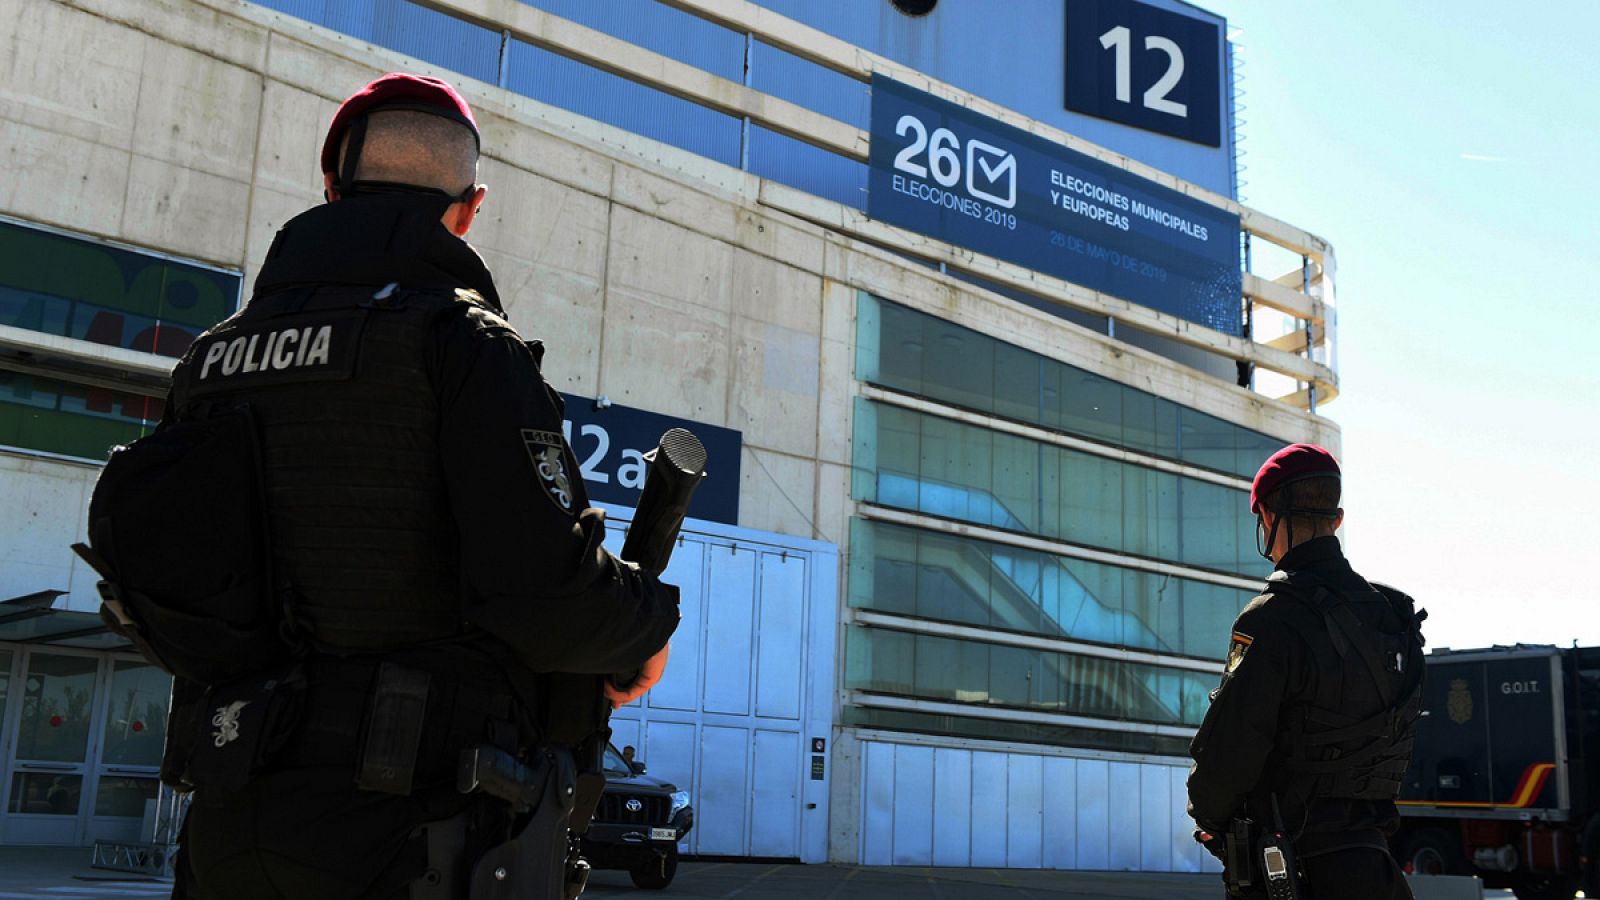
{"points": [[1504, 780]]}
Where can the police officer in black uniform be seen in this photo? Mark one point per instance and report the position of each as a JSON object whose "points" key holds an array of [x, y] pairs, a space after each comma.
{"points": [[430, 535], [1313, 723]]}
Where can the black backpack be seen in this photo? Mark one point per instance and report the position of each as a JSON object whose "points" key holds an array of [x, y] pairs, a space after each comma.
{"points": [[178, 532]]}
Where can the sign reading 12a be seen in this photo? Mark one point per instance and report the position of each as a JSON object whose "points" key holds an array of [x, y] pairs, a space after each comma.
{"points": [[1144, 66]]}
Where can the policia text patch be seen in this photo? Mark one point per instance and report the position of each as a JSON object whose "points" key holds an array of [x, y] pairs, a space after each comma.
{"points": [[282, 350]]}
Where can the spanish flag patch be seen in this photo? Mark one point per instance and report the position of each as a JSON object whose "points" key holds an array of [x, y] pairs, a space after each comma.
{"points": [[1236, 650]]}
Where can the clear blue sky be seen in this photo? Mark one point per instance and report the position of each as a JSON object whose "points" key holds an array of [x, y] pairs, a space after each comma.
{"points": [[1450, 153]]}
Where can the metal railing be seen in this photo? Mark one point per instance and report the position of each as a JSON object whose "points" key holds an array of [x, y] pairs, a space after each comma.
{"points": [[1305, 295]]}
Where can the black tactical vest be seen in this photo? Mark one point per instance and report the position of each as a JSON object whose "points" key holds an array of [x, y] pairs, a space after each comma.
{"points": [[363, 538], [1352, 739]]}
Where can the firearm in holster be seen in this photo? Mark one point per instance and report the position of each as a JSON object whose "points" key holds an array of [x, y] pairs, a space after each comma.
{"points": [[1236, 867], [539, 862]]}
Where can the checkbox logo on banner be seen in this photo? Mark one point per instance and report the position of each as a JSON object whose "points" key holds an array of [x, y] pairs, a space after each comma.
{"points": [[991, 174]]}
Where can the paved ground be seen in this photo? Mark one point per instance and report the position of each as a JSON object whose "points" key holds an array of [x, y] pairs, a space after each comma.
{"points": [[53, 873], [63, 874]]}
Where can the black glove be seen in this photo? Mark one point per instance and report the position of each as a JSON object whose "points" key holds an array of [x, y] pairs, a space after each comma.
{"points": [[1213, 843]]}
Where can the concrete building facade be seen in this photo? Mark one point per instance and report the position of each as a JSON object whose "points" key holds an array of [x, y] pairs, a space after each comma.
{"points": [[988, 527]]}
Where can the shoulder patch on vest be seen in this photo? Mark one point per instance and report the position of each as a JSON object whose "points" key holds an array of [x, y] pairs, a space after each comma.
{"points": [[468, 295], [1236, 650], [549, 463]]}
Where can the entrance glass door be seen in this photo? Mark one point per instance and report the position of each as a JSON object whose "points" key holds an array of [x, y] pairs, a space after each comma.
{"points": [[130, 751], [53, 711]]}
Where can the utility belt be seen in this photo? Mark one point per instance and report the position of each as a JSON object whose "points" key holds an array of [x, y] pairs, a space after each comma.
{"points": [[1260, 861], [400, 727]]}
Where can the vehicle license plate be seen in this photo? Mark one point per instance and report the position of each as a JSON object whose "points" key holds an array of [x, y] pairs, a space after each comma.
{"points": [[663, 834]]}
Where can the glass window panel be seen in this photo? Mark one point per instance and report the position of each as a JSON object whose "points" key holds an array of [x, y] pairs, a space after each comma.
{"points": [[1139, 420], [950, 585], [1150, 512], [116, 296], [1091, 406], [1090, 507], [124, 796], [1017, 384], [1029, 732], [34, 311], [958, 365], [1208, 614], [69, 419], [952, 670], [1210, 442], [6, 657], [914, 352], [1210, 526], [949, 578], [938, 668], [1016, 590], [1015, 480], [1153, 604], [882, 661], [56, 695], [956, 465], [136, 724], [45, 794], [1013, 672], [903, 344], [1090, 601], [872, 359]]}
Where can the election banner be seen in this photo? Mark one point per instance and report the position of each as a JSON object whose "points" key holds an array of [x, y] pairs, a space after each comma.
{"points": [[961, 177]]}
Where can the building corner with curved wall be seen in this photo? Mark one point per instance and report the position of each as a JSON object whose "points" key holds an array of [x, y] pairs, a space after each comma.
{"points": [[982, 345]]}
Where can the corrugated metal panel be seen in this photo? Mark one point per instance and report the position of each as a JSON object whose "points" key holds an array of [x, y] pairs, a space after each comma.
{"points": [[952, 798], [1126, 813], [587, 91], [955, 807], [662, 29], [352, 17], [410, 29], [438, 39], [310, 10], [785, 75], [800, 165], [913, 806]]}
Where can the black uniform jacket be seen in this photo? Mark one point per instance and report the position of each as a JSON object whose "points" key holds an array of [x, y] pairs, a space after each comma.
{"points": [[1273, 668], [533, 572]]}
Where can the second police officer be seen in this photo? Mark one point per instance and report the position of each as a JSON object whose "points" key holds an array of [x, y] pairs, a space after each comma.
{"points": [[1313, 723]]}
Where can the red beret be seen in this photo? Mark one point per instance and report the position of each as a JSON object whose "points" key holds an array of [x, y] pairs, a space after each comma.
{"points": [[396, 90], [1293, 463]]}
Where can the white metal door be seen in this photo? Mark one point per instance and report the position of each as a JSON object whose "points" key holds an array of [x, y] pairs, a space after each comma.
{"points": [[930, 805], [748, 688]]}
